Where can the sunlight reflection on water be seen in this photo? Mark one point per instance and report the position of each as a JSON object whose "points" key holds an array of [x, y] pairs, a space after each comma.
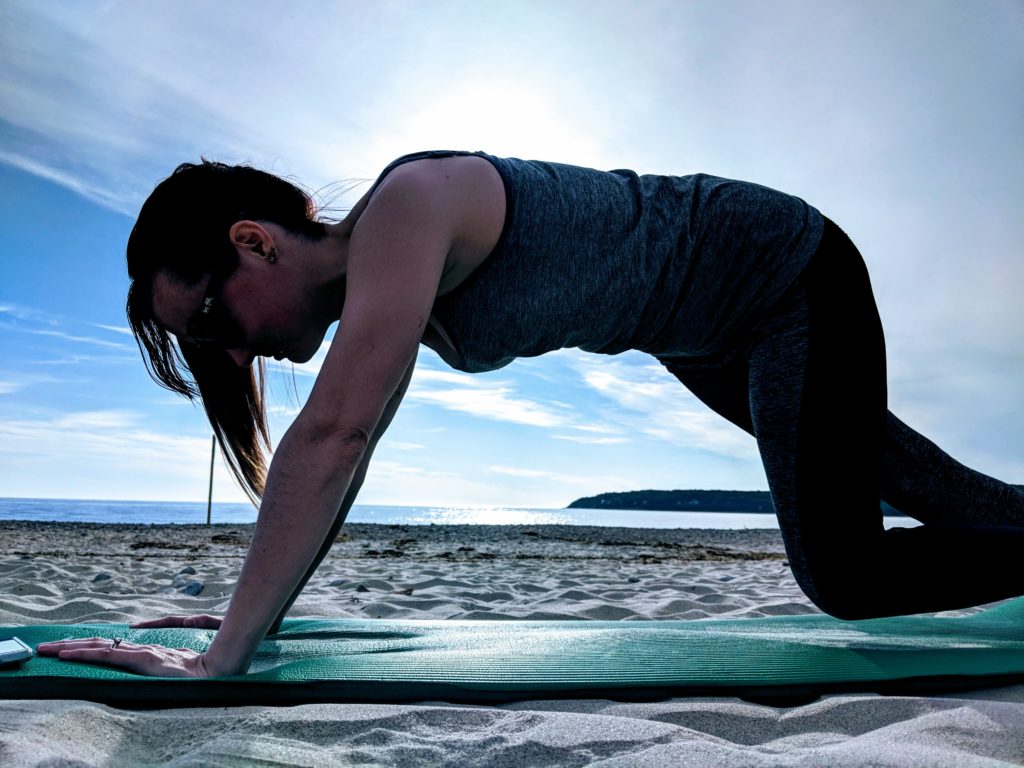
{"points": [[149, 512]]}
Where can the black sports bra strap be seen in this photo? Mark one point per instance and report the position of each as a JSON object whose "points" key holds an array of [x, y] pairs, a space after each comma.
{"points": [[424, 155]]}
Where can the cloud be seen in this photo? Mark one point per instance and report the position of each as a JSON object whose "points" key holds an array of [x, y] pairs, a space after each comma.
{"points": [[79, 359], [115, 437], [554, 477], [651, 402], [22, 319], [484, 398], [283, 410], [592, 440], [97, 420], [400, 445], [78, 339], [90, 191], [106, 454], [124, 330], [392, 482], [16, 381], [22, 313]]}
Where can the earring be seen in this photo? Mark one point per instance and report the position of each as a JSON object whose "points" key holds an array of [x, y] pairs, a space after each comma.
{"points": [[272, 256]]}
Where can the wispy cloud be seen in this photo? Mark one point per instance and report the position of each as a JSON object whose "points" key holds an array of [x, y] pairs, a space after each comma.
{"points": [[554, 477], [483, 398], [22, 313], [105, 454], [282, 410], [97, 420], [79, 339], [23, 319], [391, 482], [592, 440], [651, 402], [91, 191], [17, 381], [605, 429], [116, 436], [122, 329], [401, 445], [74, 359]]}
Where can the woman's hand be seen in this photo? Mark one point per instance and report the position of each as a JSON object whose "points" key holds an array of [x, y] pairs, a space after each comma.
{"points": [[201, 621], [151, 660]]}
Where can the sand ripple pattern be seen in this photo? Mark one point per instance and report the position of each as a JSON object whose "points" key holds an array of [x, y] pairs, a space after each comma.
{"points": [[52, 573]]}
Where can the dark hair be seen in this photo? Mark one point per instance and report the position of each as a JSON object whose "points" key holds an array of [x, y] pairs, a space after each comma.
{"points": [[183, 230]]}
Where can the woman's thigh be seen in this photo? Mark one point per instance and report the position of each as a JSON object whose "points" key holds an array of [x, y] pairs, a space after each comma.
{"points": [[818, 405], [723, 387]]}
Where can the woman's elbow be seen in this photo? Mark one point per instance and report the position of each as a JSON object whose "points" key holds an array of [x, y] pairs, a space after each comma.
{"points": [[347, 441]]}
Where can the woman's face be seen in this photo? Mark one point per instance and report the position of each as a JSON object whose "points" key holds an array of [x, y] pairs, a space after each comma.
{"points": [[258, 310]]}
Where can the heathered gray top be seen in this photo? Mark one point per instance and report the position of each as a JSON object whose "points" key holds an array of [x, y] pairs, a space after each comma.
{"points": [[609, 261]]}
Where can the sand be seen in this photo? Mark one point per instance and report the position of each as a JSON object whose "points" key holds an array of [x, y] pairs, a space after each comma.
{"points": [[63, 573]]}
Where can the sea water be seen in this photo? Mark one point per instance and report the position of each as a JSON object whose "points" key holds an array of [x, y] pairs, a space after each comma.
{"points": [[172, 512]]}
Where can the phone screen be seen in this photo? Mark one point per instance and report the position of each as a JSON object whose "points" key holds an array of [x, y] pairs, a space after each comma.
{"points": [[13, 651]]}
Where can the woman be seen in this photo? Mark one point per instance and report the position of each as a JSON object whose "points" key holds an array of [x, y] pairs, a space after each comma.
{"points": [[755, 301]]}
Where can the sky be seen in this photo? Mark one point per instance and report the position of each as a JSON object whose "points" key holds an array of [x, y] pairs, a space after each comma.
{"points": [[900, 121]]}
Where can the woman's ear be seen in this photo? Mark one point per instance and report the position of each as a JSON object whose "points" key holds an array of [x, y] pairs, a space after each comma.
{"points": [[249, 237]]}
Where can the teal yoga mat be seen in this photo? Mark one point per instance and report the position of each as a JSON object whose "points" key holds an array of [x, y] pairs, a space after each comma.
{"points": [[781, 659]]}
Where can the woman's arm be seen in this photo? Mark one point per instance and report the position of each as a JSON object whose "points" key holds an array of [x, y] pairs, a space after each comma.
{"points": [[206, 621], [396, 257], [350, 497]]}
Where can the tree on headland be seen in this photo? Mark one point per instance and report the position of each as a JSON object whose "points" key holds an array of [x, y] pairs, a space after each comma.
{"points": [[694, 501]]}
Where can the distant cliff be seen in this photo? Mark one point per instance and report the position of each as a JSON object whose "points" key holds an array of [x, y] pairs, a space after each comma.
{"points": [[688, 501], [695, 501]]}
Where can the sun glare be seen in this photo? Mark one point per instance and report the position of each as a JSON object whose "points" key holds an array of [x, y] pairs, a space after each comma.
{"points": [[500, 116]]}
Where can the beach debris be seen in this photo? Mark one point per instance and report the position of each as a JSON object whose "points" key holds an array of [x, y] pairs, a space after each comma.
{"points": [[384, 553], [182, 583], [229, 538], [193, 588]]}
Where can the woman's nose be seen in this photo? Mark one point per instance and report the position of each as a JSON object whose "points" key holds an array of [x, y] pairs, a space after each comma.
{"points": [[243, 358]]}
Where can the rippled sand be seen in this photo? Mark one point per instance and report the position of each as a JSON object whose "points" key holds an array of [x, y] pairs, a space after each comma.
{"points": [[54, 573]]}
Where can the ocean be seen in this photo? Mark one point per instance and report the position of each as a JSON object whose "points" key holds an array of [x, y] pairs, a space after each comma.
{"points": [[170, 512]]}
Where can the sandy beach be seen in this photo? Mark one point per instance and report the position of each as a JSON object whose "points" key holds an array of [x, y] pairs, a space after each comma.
{"points": [[71, 573]]}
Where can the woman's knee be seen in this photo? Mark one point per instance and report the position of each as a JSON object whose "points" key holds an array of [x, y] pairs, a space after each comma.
{"points": [[834, 591]]}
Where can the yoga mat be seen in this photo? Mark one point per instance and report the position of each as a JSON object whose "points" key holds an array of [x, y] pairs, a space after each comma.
{"points": [[783, 660]]}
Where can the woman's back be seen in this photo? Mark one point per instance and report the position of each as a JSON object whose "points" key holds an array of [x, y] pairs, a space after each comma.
{"points": [[610, 261]]}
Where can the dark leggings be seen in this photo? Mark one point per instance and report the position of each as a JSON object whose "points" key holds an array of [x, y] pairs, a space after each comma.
{"points": [[810, 386]]}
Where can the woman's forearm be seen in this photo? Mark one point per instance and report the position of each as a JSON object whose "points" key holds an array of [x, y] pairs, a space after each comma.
{"points": [[325, 545], [306, 484]]}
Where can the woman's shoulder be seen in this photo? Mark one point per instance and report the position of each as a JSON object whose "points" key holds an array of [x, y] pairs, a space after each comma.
{"points": [[424, 161], [461, 188]]}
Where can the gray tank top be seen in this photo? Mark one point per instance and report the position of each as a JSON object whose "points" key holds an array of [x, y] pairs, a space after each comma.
{"points": [[608, 261]]}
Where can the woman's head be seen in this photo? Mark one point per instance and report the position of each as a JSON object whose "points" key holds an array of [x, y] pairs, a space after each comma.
{"points": [[185, 236]]}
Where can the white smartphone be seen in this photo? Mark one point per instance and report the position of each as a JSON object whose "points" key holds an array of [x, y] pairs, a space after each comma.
{"points": [[13, 652]]}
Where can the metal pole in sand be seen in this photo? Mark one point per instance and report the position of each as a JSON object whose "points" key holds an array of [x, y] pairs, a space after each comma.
{"points": [[209, 494]]}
